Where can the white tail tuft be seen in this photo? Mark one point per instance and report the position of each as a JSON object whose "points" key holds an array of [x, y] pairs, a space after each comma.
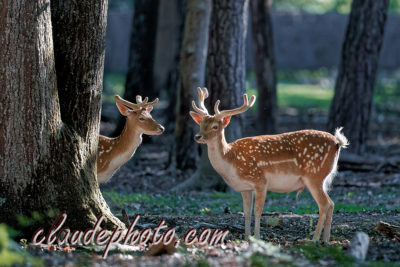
{"points": [[329, 179], [341, 139]]}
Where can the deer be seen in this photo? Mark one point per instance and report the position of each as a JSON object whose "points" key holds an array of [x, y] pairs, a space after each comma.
{"points": [[112, 153], [280, 163]]}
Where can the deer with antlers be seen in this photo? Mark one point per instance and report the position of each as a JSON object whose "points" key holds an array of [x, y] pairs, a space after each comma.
{"points": [[279, 163], [114, 152]]}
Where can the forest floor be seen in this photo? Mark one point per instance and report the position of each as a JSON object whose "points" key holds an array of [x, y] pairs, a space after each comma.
{"points": [[143, 186], [362, 200]]}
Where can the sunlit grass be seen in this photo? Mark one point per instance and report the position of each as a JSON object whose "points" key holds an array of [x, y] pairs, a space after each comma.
{"points": [[301, 96], [304, 96], [216, 202], [299, 89]]}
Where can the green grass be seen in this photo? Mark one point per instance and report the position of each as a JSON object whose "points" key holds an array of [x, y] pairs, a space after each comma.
{"points": [[304, 96], [215, 202], [302, 89], [315, 253], [300, 96]]}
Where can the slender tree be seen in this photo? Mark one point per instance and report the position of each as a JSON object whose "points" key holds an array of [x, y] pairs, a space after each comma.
{"points": [[192, 75], [352, 102], [139, 78], [50, 101], [225, 79], [171, 21], [264, 64]]}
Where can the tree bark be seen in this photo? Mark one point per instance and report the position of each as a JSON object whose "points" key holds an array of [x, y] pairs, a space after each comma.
{"points": [[48, 141], [139, 79], [264, 65], [226, 73], [352, 102], [225, 80], [171, 21], [192, 75]]}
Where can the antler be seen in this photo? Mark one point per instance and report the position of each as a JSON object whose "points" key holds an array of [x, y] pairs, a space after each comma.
{"points": [[230, 112], [203, 94], [139, 103]]}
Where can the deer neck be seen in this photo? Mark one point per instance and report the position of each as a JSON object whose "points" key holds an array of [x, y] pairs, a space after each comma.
{"points": [[130, 139], [218, 150], [221, 157]]}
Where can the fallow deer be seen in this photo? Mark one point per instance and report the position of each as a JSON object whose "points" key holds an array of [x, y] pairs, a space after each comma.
{"points": [[279, 163], [114, 152]]}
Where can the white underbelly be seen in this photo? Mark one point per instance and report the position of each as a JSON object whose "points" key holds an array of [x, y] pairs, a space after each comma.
{"points": [[236, 183], [283, 183]]}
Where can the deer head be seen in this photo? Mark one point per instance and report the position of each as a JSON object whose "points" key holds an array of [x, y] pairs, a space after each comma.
{"points": [[139, 114], [212, 125]]}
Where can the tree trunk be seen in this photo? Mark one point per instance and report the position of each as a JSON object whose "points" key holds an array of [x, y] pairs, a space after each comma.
{"points": [[264, 65], [171, 21], [192, 75], [48, 138], [352, 102], [225, 80], [139, 79], [226, 72]]}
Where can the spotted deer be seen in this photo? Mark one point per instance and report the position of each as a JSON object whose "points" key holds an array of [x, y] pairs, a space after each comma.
{"points": [[278, 163], [114, 152]]}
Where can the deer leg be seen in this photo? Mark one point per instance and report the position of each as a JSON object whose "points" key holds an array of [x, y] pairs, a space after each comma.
{"points": [[258, 208], [247, 197], [325, 204], [328, 221]]}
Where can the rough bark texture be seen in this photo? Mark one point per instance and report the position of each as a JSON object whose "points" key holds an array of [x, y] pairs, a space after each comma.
{"points": [[225, 79], [49, 136], [351, 106], [192, 75], [139, 79], [226, 76], [171, 21], [264, 65]]}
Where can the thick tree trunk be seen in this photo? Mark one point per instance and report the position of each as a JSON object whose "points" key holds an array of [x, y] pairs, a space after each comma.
{"points": [[139, 79], [48, 137], [264, 65], [352, 102], [171, 21], [225, 79], [192, 75]]}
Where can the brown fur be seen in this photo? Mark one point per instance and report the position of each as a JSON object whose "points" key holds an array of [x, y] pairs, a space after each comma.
{"points": [[309, 155], [124, 146]]}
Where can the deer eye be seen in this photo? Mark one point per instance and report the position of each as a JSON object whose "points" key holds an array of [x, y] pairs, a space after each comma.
{"points": [[215, 127], [141, 119]]}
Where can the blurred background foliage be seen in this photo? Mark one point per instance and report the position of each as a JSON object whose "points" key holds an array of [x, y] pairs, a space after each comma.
{"points": [[302, 89], [315, 6]]}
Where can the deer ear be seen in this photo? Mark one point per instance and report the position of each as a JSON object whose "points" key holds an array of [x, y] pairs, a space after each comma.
{"points": [[149, 108], [196, 117], [123, 110], [226, 120]]}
